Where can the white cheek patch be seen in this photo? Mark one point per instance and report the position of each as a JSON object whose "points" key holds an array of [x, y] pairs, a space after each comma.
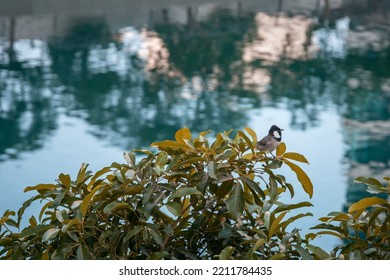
{"points": [[276, 134]]}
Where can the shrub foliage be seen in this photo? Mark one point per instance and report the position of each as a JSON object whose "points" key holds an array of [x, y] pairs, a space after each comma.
{"points": [[365, 229], [190, 199]]}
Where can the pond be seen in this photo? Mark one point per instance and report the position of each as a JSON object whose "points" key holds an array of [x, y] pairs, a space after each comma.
{"points": [[85, 82]]}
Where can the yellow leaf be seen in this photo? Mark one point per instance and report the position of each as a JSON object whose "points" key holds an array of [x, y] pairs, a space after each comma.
{"points": [[65, 180], [185, 207], [183, 134], [280, 149], [87, 200], [366, 202], [252, 134], [96, 176], [329, 232], [45, 255], [226, 253], [296, 157], [248, 156], [247, 140], [302, 177], [258, 243], [275, 224], [41, 187], [170, 144]]}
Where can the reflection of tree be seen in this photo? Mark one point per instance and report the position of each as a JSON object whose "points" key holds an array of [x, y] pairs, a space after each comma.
{"points": [[207, 46], [69, 53], [207, 54], [27, 115], [135, 109]]}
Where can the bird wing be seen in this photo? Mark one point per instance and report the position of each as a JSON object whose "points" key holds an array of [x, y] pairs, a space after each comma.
{"points": [[263, 142]]}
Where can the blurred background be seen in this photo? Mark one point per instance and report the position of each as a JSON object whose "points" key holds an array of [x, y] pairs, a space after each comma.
{"points": [[85, 80]]}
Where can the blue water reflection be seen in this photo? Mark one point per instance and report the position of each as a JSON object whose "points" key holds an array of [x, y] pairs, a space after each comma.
{"points": [[83, 87]]}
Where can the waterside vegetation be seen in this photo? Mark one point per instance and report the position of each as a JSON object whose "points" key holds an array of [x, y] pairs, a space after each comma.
{"points": [[192, 198]]}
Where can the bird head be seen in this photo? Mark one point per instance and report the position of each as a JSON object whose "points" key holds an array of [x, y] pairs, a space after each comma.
{"points": [[275, 131]]}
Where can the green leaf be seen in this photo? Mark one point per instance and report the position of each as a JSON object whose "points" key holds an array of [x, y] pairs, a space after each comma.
{"points": [[317, 251], [281, 149], [188, 161], [61, 215], [160, 162], [235, 202], [369, 181], [366, 202], [174, 207], [212, 170], [225, 188], [184, 191], [303, 252], [70, 224], [288, 207], [253, 185], [291, 189], [34, 230], [133, 232], [76, 204], [12, 223], [116, 206], [73, 235], [302, 177], [130, 174], [203, 183], [267, 219], [44, 209], [278, 256], [50, 234], [294, 218], [296, 157], [158, 255], [329, 232], [156, 236], [339, 216], [226, 253], [83, 253], [121, 177], [21, 210]]}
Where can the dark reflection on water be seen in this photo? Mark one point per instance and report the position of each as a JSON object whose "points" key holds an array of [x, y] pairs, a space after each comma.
{"points": [[138, 79]]}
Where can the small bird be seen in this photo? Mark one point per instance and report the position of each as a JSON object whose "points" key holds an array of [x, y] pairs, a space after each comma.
{"points": [[271, 141]]}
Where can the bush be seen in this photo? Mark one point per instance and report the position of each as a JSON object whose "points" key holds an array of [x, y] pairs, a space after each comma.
{"points": [[190, 200], [365, 229]]}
